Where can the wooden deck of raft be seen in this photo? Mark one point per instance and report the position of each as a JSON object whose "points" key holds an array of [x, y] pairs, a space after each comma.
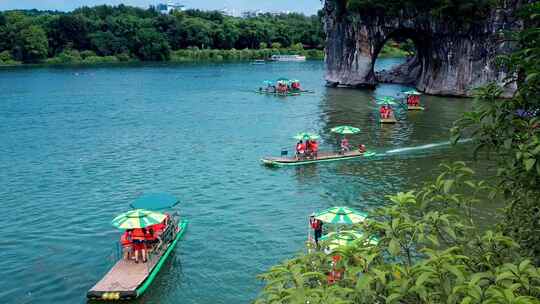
{"points": [[125, 276], [415, 108], [322, 156]]}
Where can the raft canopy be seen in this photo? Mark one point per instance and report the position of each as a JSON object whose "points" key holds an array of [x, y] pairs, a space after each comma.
{"points": [[345, 130], [341, 215], [155, 201], [386, 100], [306, 136], [412, 92]]}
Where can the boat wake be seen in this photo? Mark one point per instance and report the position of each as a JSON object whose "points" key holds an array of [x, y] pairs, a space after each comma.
{"points": [[425, 147]]}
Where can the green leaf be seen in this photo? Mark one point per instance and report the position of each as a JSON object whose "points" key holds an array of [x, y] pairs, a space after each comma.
{"points": [[531, 76], [455, 271], [529, 163], [393, 298], [393, 247], [422, 279], [448, 185]]}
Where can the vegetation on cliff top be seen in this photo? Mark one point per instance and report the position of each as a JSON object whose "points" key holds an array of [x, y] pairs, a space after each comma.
{"points": [[451, 10], [121, 33]]}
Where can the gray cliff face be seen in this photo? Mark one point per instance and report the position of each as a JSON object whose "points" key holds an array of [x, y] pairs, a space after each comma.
{"points": [[448, 61]]}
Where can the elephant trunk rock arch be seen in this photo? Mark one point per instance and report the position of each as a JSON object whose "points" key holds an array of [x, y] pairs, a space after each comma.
{"points": [[448, 61]]}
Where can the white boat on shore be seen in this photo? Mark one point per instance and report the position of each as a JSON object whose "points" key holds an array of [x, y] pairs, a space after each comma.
{"points": [[288, 58]]}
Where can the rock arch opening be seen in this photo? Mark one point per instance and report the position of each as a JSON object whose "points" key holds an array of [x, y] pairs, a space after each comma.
{"points": [[403, 49]]}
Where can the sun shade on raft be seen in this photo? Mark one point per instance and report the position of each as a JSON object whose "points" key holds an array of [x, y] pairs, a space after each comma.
{"points": [[138, 218], [341, 215], [155, 201], [345, 130]]}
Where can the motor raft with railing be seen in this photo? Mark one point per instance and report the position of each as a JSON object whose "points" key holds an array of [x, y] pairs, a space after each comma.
{"points": [[307, 150], [282, 87], [148, 239]]}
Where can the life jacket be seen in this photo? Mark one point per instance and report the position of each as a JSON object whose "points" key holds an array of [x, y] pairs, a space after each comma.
{"points": [[316, 225], [125, 239], [314, 146], [301, 147], [138, 234]]}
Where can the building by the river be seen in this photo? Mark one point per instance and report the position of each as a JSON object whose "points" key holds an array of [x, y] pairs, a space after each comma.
{"points": [[169, 7]]}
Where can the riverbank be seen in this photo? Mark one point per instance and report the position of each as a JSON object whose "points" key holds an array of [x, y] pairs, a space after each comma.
{"points": [[74, 57]]}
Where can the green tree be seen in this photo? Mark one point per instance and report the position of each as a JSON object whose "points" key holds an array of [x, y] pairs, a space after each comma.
{"points": [[509, 130], [107, 44], [32, 44], [429, 250], [69, 31], [151, 45]]}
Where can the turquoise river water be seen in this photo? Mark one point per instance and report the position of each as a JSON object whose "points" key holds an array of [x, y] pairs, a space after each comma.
{"points": [[78, 144]]}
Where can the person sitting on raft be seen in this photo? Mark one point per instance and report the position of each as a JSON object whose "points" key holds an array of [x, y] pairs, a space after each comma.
{"points": [[282, 88], [384, 112], [126, 241], [295, 86], [313, 148], [300, 150], [345, 146], [389, 112]]}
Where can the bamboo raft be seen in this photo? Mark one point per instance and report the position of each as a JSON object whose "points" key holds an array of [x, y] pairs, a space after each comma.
{"points": [[295, 93], [415, 108], [390, 120], [128, 280], [321, 157]]}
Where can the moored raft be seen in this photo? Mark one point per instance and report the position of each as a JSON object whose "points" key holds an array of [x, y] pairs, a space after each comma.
{"points": [[389, 120], [322, 157]]}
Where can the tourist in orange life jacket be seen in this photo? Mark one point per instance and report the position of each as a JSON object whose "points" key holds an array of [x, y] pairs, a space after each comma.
{"points": [[139, 244], [127, 244], [389, 112], [300, 149], [314, 148], [316, 225], [345, 146], [308, 147], [382, 111]]}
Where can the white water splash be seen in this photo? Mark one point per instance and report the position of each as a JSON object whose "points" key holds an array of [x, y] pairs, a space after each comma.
{"points": [[425, 147]]}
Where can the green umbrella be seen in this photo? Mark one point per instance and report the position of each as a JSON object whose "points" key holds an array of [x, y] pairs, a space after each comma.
{"points": [[412, 92], [341, 215], [344, 238], [138, 218], [391, 101], [345, 130], [306, 136]]}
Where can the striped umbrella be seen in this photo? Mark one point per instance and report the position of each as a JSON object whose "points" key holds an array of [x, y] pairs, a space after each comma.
{"points": [[412, 92], [387, 100], [138, 218], [341, 215], [306, 136], [345, 130]]}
